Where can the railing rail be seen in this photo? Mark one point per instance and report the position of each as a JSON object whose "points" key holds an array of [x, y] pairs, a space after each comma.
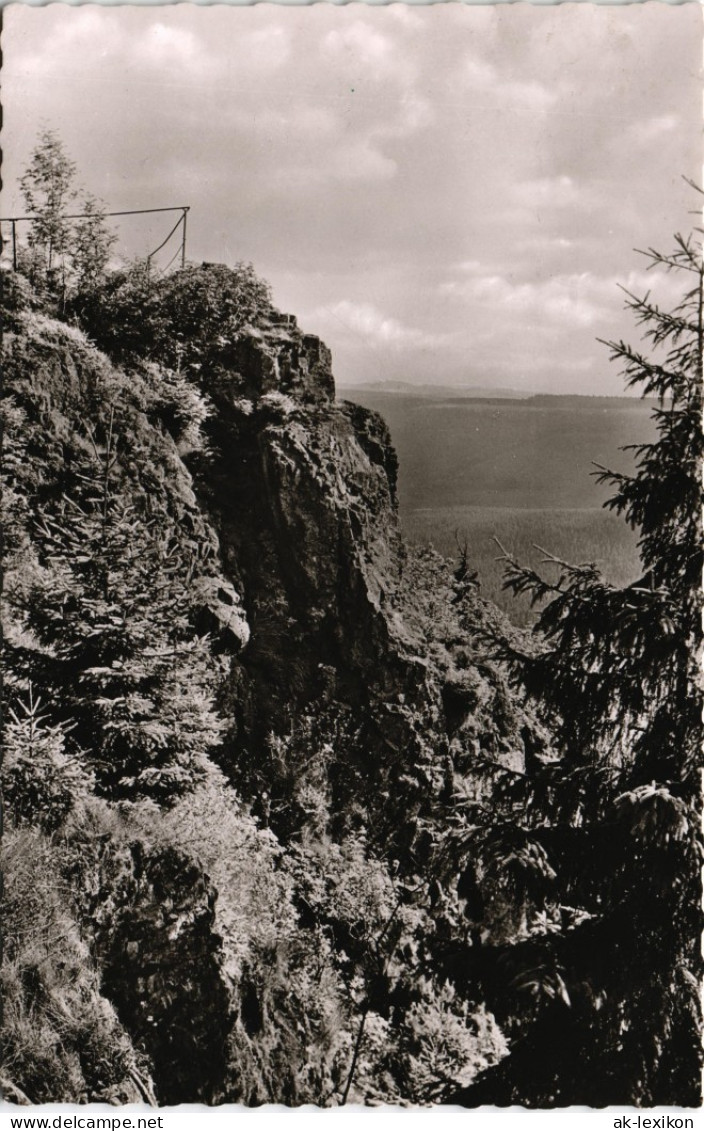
{"points": [[184, 209]]}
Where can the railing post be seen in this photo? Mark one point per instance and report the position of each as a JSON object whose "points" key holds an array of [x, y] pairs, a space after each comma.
{"points": [[183, 241]]}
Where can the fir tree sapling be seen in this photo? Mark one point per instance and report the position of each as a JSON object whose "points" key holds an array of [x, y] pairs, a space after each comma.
{"points": [[113, 600], [41, 782]]}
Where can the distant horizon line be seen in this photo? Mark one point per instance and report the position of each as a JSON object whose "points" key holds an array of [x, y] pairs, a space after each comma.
{"points": [[508, 391]]}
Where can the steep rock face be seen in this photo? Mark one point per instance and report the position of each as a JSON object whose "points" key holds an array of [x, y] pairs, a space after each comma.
{"points": [[301, 490], [276, 357], [294, 493], [298, 489]]}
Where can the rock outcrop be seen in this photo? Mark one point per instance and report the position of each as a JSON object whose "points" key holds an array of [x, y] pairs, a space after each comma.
{"points": [[353, 688], [152, 929], [301, 490]]}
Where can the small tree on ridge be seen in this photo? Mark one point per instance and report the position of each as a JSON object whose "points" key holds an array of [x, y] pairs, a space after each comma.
{"points": [[47, 187]]}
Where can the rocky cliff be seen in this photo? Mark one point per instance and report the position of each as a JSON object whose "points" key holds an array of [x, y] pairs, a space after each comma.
{"points": [[300, 490], [262, 707]]}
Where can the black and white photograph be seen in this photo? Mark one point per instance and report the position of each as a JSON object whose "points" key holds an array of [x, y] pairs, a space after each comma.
{"points": [[352, 401]]}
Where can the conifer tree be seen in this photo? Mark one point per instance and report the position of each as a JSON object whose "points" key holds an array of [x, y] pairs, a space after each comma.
{"points": [[615, 673], [41, 783], [113, 601], [617, 668]]}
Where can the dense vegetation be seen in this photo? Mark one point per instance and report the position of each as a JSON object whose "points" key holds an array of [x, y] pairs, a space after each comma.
{"points": [[291, 832]]}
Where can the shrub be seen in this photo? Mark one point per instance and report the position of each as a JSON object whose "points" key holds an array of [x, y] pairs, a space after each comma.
{"points": [[187, 320]]}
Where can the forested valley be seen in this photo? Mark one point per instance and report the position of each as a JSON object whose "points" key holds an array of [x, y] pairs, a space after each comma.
{"points": [[474, 470], [294, 813]]}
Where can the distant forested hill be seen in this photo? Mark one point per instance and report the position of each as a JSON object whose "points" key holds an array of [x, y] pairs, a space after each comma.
{"points": [[517, 469]]}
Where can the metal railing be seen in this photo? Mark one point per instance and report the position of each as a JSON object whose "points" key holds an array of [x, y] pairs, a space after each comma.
{"points": [[181, 223]]}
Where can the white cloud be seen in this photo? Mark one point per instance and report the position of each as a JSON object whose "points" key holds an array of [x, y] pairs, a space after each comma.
{"points": [[568, 300], [359, 42], [278, 124], [410, 114], [338, 162], [545, 244], [364, 320], [571, 299], [266, 49], [468, 266], [367, 155], [664, 289], [548, 192], [360, 161], [654, 129], [478, 76], [87, 29], [168, 46], [85, 36]]}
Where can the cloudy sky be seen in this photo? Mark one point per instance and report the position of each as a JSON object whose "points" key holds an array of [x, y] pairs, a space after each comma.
{"points": [[446, 194]]}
